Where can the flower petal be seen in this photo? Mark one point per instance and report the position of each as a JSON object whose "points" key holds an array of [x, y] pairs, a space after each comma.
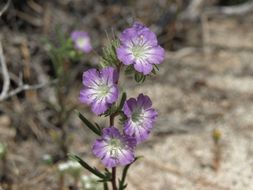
{"points": [[87, 95], [125, 55], [157, 55], [110, 75], [99, 106], [91, 78], [143, 66], [129, 106]]}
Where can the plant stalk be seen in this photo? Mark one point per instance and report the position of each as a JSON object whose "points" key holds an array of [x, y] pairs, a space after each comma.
{"points": [[114, 185]]}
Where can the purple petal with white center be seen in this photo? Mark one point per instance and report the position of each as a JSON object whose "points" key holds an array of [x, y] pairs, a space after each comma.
{"points": [[82, 41], [113, 148], [139, 46], [126, 157], [140, 117], [113, 95], [110, 75], [90, 77], [100, 89], [99, 106], [157, 55], [87, 95], [128, 107], [143, 66], [125, 55]]}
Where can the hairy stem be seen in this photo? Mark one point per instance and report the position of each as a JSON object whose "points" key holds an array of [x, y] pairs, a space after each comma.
{"points": [[114, 186]]}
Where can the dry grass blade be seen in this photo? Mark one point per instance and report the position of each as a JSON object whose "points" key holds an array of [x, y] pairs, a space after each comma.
{"points": [[231, 10], [6, 6], [5, 73]]}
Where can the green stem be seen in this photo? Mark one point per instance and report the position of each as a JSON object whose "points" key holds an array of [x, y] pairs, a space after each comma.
{"points": [[105, 186]]}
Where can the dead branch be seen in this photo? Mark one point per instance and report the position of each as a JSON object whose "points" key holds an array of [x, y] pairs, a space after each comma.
{"points": [[5, 73], [24, 88], [35, 6], [29, 18], [193, 10], [5, 94], [6, 6], [197, 8], [231, 10]]}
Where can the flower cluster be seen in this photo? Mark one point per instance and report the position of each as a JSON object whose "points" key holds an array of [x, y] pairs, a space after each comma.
{"points": [[138, 47]]}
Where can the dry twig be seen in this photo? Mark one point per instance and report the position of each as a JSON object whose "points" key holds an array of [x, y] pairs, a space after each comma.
{"points": [[5, 94], [231, 10], [196, 9], [5, 73], [193, 10], [6, 6], [23, 88]]}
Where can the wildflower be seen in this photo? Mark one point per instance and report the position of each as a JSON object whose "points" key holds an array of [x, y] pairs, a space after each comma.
{"points": [[82, 41], [113, 148], [140, 117], [139, 46], [100, 89]]}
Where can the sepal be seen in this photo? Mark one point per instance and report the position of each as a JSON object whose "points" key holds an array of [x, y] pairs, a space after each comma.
{"points": [[109, 55]]}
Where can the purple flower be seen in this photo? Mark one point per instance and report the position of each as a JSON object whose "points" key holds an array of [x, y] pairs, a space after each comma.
{"points": [[140, 117], [100, 89], [82, 41], [113, 148], [139, 46]]}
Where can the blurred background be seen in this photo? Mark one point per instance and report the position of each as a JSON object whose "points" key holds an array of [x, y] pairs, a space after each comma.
{"points": [[203, 91]]}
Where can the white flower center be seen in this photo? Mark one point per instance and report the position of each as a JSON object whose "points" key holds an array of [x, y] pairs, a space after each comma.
{"points": [[137, 115], [115, 146], [103, 90], [140, 48], [81, 42]]}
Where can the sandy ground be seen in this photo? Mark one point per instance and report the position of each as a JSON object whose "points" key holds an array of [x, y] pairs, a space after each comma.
{"points": [[198, 93], [195, 93]]}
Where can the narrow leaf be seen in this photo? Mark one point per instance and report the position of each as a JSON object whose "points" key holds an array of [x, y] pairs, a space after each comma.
{"points": [[122, 184], [88, 167], [89, 124], [122, 101]]}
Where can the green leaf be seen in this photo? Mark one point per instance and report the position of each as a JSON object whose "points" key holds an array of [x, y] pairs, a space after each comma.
{"points": [[98, 127], [122, 184], [139, 77], [156, 67], [89, 168], [89, 124], [129, 70], [110, 111], [122, 101]]}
